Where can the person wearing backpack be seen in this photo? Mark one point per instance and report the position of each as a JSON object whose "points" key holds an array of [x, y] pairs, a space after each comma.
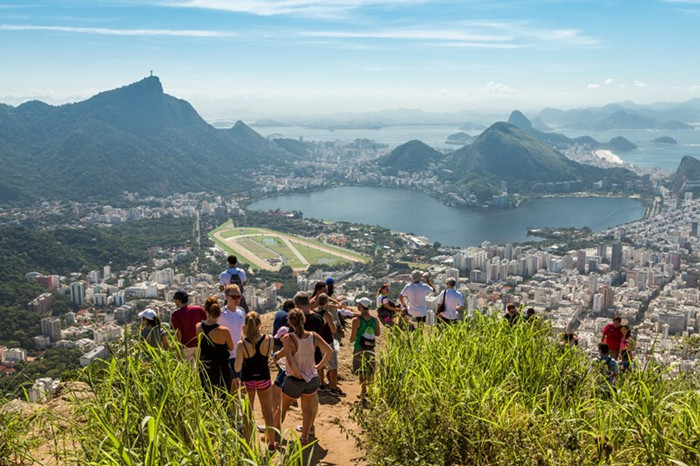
{"points": [[365, 329], [234, 275]]}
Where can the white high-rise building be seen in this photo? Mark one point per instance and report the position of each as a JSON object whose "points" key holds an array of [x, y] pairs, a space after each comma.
{"points": [[77, 293]]}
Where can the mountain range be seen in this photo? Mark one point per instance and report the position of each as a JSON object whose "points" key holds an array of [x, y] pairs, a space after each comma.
{"points": [[503, 153], [135, 138]]}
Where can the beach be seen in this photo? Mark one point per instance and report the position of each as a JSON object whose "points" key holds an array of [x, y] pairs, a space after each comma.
{"points": [[608, 156]]}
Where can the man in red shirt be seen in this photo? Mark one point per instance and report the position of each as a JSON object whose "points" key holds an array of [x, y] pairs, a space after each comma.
{"points": [[612, 335], [184, 321]]}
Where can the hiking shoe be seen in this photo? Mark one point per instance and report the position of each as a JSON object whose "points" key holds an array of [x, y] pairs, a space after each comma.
{"points": [[324, 387], [337, 392], [312, 432]]}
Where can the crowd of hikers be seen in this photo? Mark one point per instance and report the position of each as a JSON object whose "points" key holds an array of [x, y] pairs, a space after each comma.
{"points": [[233, 354]]}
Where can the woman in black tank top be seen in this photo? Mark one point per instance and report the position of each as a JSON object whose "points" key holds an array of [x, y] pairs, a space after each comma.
{"points": [[215, 342], [252, 361]]}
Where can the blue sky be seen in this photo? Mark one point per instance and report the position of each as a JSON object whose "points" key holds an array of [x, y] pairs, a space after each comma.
{"points": [[229, 57]]}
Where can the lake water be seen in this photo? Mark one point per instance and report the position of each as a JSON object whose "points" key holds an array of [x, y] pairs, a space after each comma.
{"points": [[648, 154], [416, 212]]}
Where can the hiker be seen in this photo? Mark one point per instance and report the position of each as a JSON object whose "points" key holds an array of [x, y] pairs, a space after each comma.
{"points": [[450, 302], [416, 292], [568, 339], [184, 322], [328, 332], [365, 329], [252, 355], [280, 322], [301, 379], [215, 342], [233, 318], [530, 314], [612, 369], [234, 275], [151, 331], [612, 335], [386, 308], [512, 315]]}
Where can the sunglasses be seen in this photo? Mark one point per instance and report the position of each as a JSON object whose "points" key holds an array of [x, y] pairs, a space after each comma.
{"points": [[234, 296]]}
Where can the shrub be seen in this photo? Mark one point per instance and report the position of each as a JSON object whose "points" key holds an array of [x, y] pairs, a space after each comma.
{"points": [[153, 410], [483, 392]]}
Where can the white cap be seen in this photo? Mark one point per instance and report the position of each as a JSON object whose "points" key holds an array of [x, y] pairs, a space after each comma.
{"points": [[364, 301], [148, 313]]}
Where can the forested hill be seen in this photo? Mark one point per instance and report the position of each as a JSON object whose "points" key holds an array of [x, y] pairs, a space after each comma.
{"points": [[135, 138]]}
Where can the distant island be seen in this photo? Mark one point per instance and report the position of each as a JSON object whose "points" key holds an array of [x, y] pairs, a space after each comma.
{"points": [[665, 140], [458, 139]]}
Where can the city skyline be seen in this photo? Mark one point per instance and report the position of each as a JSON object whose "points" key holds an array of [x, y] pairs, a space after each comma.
{"points": [[267, 58]]}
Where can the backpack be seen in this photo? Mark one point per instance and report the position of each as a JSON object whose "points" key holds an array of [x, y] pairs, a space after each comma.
{"points": [[235, 278], [367, 334]]}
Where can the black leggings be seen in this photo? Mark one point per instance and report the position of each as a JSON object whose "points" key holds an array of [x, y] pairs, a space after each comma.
{"points": [[215, 377]]}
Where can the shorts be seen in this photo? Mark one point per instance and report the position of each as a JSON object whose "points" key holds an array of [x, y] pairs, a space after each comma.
{"points": [[363, 363], [251, 385], [333, 361], [279, 380], [234, 374], [294, 387]]}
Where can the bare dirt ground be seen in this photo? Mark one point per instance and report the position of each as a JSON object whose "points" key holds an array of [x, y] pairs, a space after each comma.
{"points": [[336, 433]]}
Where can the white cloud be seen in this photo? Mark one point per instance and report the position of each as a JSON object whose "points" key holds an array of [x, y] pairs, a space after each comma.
{"points": [[495, 89], [117, 32], [609, 81], [638, 84], [593, 86], [312, 8], [491, 35]]}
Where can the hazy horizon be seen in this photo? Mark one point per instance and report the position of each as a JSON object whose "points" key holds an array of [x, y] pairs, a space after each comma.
{"points": [[271, 58]]}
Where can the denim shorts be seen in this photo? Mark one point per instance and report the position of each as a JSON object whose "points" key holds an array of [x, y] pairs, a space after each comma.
{"points": [[279, 380], [294, 387]]}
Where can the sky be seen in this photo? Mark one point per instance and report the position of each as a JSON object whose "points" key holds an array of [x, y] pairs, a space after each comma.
{"points": [[267, 58]]}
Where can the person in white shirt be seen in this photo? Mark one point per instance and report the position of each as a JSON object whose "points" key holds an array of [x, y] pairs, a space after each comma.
{"points": [[416, 292], [454, 301], [234, 275], [233, 318]]}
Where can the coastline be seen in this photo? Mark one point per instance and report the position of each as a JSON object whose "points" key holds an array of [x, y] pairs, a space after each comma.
{"points": [[608, 156]]}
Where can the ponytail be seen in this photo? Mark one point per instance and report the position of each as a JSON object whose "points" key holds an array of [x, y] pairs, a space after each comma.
{"points": [[252, 326], [296, 319]]}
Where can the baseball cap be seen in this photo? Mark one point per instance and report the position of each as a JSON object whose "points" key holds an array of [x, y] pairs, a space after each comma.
{"points": [[147, 314], [364, 301]]}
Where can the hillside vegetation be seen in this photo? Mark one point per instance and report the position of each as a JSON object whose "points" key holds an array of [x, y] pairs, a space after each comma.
{"points": [[484, 392]]}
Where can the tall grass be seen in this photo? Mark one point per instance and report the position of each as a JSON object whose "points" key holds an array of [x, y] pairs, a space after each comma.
{"points": [[483, 392], [150, 408], [16, 439]]}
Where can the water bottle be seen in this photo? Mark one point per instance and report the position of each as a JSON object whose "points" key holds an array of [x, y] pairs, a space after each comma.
{"points": [[430, 320]]}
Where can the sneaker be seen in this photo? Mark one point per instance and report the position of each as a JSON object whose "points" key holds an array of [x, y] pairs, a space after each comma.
{"points": [[261, 428], [312, 432], [337, 392], [324, 387]]}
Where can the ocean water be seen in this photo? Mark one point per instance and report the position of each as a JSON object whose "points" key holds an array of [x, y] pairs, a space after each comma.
{"points": [[416, 212], [647, 155]]}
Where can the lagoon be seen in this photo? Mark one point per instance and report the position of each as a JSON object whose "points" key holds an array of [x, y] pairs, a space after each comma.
{"points": [[415, 212]]}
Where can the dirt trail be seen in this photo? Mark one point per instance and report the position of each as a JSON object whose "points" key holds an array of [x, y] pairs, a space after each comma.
{"points": [[334, 428]]}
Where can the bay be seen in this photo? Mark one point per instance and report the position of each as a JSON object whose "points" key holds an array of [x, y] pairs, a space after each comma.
{"points": [[415, 212], [648, 154]]}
